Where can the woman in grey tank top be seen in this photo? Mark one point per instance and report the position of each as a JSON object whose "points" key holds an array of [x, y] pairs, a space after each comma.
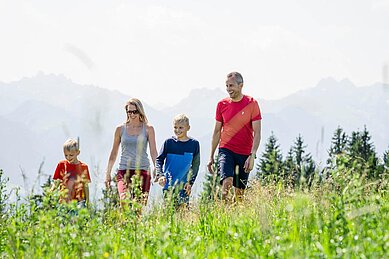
{"points": [[133, 136]]}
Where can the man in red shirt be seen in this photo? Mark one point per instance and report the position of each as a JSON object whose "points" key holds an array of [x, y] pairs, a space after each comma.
{"points": [[237, 132]]}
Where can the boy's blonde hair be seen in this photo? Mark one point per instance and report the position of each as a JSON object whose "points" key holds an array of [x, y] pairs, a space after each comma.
{"points": [[71, 144], [181, 118]]}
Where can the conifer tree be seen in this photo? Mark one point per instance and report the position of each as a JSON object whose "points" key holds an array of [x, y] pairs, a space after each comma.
{"points": [[270, 165], [299, 150], [305, 166], [309, 168], [367, 146], [211, 189], [3, 193], [355, 145], [338, 145], [361, 147], [289, 168], [386, 160]]}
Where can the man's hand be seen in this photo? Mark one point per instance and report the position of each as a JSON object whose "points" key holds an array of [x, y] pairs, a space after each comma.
{"points": [[249, 164], [188, 188], [210, 165]]}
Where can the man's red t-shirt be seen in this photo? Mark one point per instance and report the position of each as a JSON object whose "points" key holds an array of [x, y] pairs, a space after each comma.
{"points": [[236, 118], [73, 173]]}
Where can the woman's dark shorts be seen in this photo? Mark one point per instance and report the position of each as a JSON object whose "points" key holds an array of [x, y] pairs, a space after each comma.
{"points": [[125, 179]]}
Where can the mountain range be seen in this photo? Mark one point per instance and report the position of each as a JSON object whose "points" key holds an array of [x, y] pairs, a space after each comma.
{"points": [[39, 113]]}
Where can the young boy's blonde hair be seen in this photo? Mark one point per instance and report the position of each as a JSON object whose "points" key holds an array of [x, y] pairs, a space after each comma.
{"points": [[181, 118], [71, 145]]}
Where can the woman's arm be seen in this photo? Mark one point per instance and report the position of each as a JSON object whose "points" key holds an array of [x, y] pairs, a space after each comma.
{"points": [[113, 155], [152, 143]]}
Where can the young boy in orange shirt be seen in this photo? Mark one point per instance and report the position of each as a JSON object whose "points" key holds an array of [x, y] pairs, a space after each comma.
{"points": [[73, 175]]}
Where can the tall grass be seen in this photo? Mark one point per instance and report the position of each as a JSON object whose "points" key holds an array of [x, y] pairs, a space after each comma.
{"points": [[348, 216]]}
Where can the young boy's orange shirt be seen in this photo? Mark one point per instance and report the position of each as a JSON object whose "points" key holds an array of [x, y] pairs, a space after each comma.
{"points": [[78, 173]]}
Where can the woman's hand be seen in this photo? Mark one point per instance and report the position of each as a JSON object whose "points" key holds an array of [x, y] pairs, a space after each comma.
{"points": [[108, 180]]}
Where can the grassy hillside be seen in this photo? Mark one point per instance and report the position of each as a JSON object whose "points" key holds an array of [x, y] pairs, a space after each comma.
{"points": [[346, 216]]}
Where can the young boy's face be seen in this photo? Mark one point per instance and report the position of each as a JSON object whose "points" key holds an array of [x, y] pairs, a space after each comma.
{"points": [[71, 155], [181, 130]]}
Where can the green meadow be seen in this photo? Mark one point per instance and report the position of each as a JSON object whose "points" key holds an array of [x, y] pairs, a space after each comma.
{"points": [[348, 218], [292, 209]]}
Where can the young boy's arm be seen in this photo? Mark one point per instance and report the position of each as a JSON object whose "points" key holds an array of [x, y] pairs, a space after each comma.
{"points": [[54, 185], [57, 177], [195, 165], [160, 160], [86, 191], [86, 180]]}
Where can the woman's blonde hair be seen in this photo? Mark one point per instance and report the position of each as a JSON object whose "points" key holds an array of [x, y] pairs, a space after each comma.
{"points": [[137, 103]]}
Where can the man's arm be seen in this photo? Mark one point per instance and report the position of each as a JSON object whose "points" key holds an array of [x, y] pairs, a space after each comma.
{"points": [[214, 143], [249, 164], [257, 136]]}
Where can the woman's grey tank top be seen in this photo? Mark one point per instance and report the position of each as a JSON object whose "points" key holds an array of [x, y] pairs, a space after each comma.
{"points": [[134, 150]]}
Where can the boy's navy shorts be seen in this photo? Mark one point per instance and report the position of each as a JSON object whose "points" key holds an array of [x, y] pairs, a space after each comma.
{"points": [[231, 164], [178, 194]]}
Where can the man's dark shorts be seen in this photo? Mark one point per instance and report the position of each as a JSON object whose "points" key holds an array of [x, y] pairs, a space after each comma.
{"points": [[231, 164]]}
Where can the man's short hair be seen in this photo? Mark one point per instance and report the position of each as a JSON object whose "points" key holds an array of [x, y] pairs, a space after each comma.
{"points": [[71, 145], [181, 118], [236, 76]]}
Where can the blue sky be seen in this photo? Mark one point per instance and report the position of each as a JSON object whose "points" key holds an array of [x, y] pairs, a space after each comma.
{"points": [[159, 50]]}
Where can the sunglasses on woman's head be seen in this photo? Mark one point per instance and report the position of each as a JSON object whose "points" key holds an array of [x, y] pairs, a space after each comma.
{"points": [[133, 112]]}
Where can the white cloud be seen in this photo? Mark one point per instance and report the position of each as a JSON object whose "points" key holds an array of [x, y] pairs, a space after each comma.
{"points": [[380, 5], [138, 46], [79, 54]]}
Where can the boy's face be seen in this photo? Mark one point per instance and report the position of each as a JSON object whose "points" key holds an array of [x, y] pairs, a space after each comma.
{"points": [[71, 155], [181, 130]]}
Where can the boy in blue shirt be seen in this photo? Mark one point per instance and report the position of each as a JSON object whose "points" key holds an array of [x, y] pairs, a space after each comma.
{"points": [[178, 162]]}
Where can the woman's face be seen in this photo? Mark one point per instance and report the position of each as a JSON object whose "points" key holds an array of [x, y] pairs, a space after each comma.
{"points": [[132, 112]]}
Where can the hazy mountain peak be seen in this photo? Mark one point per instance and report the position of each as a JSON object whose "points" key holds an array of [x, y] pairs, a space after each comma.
{"points": [[330, 83], [41, 108], [205, 93], [326, 82], [200, 96], [346, 83]]}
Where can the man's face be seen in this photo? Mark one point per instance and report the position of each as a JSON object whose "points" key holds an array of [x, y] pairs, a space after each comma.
{"points": [[233, 89]]}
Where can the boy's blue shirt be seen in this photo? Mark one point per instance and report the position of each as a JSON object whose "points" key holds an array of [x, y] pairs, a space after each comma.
{"points": [[178, 158]]}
